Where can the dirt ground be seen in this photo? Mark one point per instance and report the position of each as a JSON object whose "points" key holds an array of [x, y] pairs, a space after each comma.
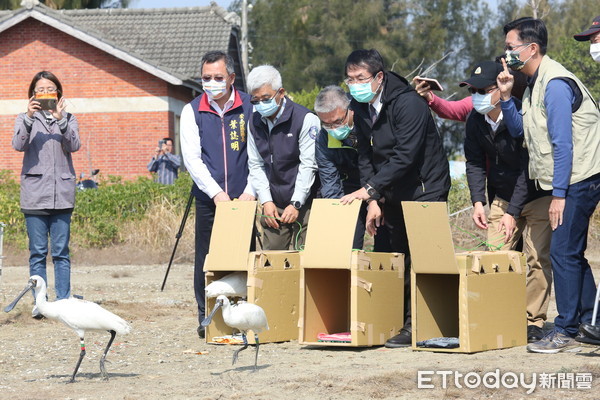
{"points": [[164, 358]]}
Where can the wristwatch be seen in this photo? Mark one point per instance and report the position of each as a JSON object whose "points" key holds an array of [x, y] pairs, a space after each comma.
{"points": [[296, 204], [370, 191]]}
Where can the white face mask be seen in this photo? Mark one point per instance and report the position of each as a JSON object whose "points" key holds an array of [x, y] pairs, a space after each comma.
{"points": [[482, 103], [214, 89], [595, 51]]}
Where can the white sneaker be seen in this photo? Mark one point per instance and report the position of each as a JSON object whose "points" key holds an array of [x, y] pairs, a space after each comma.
{"points": [[554, 342]]}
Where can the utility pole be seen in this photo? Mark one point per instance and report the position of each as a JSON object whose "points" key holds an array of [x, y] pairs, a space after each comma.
{"points": [[245, 37]]}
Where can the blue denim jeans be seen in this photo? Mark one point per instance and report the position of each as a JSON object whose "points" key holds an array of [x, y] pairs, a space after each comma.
{"points": [[58, 227], [573, 281]]}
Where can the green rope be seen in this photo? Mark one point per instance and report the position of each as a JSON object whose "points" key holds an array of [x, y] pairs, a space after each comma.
{"points": [[297, 239], [493, 247]]}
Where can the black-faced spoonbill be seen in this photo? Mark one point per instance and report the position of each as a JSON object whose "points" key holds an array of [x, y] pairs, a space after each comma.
{"points": [[79, 315], [242, 316], [233, 285]]}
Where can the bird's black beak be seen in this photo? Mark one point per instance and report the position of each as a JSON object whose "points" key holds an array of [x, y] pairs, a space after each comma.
{"points": [[206, 321], [30, 285]]}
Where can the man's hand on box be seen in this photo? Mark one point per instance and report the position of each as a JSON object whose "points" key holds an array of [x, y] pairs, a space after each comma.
{"points": [[246, 197], [221, 196], [360, 194]]}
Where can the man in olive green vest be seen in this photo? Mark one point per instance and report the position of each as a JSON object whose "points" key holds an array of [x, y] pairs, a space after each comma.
{"points": [[561, 125]]}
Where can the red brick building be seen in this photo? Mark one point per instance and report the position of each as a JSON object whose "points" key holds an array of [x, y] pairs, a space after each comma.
{"points": [[126, 75]]}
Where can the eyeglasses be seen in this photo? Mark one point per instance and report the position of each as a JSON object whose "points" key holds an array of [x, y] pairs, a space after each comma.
{"points": [[45, 90], [218, 78], [511, 48], [473, 90], [264, 101], [352, 81], [337, 123]]}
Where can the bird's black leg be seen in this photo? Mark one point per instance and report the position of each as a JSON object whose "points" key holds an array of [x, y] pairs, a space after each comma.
{"points": [[102, 369], [256, 356], [245, 346], [81, 355]]}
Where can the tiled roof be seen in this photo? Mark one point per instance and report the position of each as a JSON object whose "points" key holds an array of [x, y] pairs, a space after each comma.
{"points": [[171, 39]]}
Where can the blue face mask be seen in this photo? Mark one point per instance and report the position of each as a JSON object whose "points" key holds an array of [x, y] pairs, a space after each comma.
{"points": [[362, 91], [340, 133], [267, 108], [482, 103]]}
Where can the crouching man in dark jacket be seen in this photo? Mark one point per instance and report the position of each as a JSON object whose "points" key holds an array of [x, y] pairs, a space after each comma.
{"points": [[337, 158], [400, 155]]}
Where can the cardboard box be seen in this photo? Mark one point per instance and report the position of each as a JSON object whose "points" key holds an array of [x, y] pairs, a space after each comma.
{"points": [[273, 277], [478, 297], [344, 290]]}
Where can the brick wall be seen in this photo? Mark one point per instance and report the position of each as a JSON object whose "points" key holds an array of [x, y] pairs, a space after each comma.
{"points": [[118, 143]]}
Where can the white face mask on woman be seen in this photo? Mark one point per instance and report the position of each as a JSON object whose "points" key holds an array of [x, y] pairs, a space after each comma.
{"points": [[595, 51]]}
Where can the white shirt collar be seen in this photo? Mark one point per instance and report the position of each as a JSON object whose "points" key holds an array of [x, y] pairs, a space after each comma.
{"points": [[377, 102], [493, 124], [227, 106]]}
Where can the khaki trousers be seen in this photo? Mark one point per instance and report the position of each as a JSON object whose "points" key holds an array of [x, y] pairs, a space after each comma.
{"points": [[534, 226], [288, 236]]}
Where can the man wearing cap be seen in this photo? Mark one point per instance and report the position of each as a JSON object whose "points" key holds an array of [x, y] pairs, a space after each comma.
{"points": [[560, 122], [593, 35], [497, 159]]}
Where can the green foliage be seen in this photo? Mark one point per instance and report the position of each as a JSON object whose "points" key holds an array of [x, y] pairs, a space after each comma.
{"points": [[10, 210], [459, 197], [99, 214], [304, 98], [575, 57]]}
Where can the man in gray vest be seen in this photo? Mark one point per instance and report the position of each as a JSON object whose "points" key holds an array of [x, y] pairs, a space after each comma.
{"points": [[281, 159], [561, 125]]}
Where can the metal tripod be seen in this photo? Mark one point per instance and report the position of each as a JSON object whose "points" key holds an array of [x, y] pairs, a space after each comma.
{"points": [[178, 236]]}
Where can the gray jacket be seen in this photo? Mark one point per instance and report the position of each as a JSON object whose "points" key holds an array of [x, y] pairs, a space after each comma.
{"points": [[48, 176]]}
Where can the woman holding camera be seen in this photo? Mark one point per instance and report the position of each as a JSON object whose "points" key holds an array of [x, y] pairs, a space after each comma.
{"points": [[47, 135]]}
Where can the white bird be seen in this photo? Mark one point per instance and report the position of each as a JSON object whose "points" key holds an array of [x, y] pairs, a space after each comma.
{"points": [[232, 285], [242, 316], [79, 315]]}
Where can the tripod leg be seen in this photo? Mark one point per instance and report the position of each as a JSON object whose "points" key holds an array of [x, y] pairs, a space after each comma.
{"points": [[102, 368], [178, 236], [81, 355]]}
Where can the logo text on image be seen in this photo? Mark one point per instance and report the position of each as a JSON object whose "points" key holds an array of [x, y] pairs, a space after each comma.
{"points": [[508, 380]]}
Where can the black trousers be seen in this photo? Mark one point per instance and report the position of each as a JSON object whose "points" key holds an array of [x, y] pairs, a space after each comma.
{"points": [[394, 221], [205, 217]]}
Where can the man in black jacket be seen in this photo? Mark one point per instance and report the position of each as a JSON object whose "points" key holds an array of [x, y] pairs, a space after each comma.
{"points": [[496, 158], [337, 157], [400, 152]]}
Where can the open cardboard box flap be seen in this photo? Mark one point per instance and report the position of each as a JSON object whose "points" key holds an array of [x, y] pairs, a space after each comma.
{"points": [[429, 237], [330, 234], [231, 236]]}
